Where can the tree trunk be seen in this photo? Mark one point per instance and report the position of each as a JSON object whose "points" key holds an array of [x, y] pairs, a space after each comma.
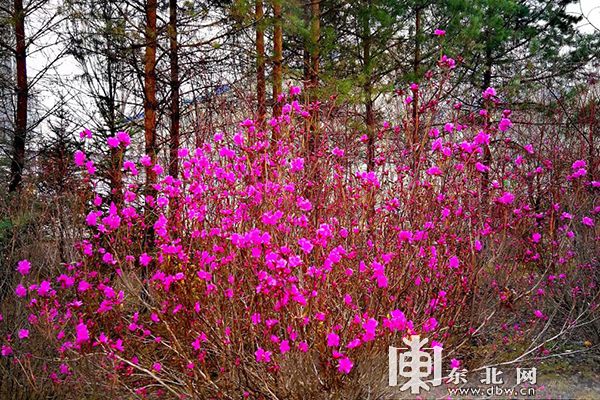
{"points": [[315, 28], [18, 159], [277, 57], [261, 99], [116, 153], [150, 93], [368, 92], [174, 85], [312, 75], [416, 62], [150, 117]]}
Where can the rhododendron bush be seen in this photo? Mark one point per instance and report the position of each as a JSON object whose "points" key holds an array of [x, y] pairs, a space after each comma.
{"points": [[271, 269]]}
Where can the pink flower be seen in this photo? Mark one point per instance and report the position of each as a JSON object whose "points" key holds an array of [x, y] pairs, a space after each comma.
{"points": [[306, 245], [454, 262], [44, 288], [182, 152], [23, 267], [294, 90], [158, 170], [90, 167], [157, 367], [536, 237], [482, 138], [430, 325], [86, 133], [506, 198], [579, 164], [440, 32], [145, 259], [345, 365], [112, 141], [21, 291], [298, 164], [489, 93], [146, 160], [481, 168], [434, 171], [333, 339], [80, 158], [262, 355], [23, 333], [82, 333], [505, 123], [587, 221], [354, 343], [124, 138], [303, 346], [454, 363], [539, 314], [6, 351], [284, 347]]}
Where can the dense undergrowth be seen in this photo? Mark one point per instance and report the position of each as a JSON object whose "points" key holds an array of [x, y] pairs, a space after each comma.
{"points": [[276, 266]]}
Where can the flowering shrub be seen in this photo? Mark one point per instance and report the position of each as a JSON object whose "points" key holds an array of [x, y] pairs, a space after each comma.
{"points": [[264, 270]]}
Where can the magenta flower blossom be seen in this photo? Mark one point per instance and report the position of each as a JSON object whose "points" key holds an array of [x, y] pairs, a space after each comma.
{"points": [[23, 333], [434, 171], [298, 164], [262, 355], [505, 123], [454, 363], [80, 158], [157, 367], [481, 168], [6, 351], [86, 133], [145, 259], [124, 138], [23, 267], [587, 221], [454, 262], [579, 164], [440, 32], [82, 333], [21, 291], [430, 325], [345, 365], [539, 314], [333, 340], [284, 347], [506, 198], [489, 93], [112, 141], [146, 160]]}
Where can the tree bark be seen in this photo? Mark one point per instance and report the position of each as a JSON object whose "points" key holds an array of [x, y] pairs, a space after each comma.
{"points": [[315, 29], [277, 56], [416, 62], [368, 92], [150, 93], [261, 99], [20, 136], [312, 75], [174, 86]]}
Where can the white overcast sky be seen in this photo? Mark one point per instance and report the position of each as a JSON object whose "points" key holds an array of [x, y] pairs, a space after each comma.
{"points": [[591, 10]]}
